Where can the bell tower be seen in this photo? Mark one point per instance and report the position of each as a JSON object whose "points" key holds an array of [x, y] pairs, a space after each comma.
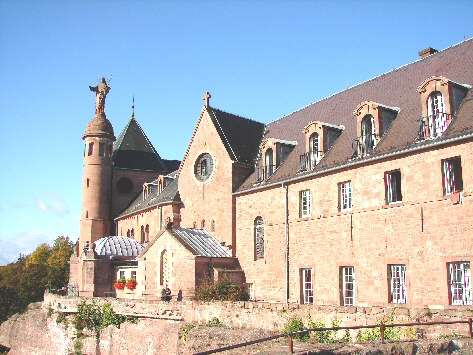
{"points": [[97, 178]]}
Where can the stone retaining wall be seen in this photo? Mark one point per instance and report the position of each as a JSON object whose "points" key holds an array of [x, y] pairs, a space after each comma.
{"points": [[272, 316]]}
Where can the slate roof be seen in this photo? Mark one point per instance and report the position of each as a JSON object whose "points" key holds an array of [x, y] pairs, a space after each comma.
{"points": [[202, 242], [241, 136], [397, 88], [133, 150], [169, 194], [118, 246]]}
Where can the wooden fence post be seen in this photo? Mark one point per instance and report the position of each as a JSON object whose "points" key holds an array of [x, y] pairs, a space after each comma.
{"points": [[381, 326], [291, 346]]}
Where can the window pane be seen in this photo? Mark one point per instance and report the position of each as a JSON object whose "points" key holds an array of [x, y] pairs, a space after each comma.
{"points": [[307, 286]]}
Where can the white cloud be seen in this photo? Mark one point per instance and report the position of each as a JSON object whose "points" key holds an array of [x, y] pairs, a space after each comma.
{"points": [[42, 205], [53, 203]]}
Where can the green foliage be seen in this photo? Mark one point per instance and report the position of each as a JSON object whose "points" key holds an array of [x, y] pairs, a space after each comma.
{"points": [[95, 317], [61, 318], [222, 290], [327, 336], [390, 333], [295, 324], [186, 330], [25, 280], [214, 322], [452, 336]]}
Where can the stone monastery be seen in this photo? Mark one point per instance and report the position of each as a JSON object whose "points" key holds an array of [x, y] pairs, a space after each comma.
{"points": [[364, 198]]}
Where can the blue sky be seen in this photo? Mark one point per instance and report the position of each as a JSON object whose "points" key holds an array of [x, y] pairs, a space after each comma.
{"points": [[258, 59]]}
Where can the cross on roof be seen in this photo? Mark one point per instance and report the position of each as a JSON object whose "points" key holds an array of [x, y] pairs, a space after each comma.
{"points": [[206, 99]]}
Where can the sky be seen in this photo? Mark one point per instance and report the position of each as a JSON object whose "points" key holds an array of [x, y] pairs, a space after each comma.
{"points": [[258, 59]]}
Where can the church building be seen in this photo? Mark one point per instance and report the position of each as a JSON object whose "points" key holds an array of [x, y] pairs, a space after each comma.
{"points": [[364, 198]]}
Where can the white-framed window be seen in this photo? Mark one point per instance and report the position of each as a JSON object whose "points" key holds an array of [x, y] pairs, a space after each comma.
{"points": [[251, 291], [307, 286], [306, 203], [348, 296], [437, 117], [133, 275], [345, 192], [397, 284], [314, 150], [459, 280], [122, 274], [452, 175], [393, 187], [268, 163]]}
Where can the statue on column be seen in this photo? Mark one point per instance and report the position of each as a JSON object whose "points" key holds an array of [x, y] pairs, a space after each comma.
{"points": [[101, 91]]}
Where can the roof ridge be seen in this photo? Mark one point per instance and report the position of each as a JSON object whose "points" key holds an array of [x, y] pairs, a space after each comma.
{"points": [[371, 79], [233, 114]]}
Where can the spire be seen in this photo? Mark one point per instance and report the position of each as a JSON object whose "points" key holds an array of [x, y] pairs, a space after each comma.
{"points": [[133, 108]]}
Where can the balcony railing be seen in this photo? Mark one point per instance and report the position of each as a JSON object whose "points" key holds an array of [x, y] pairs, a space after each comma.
{"points": [[363, 145], [308, 161], [263, 173], [433, 126]]}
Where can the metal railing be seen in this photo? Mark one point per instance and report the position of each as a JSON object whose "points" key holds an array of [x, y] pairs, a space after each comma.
{"points": [[263, 173], [308, 161], [382, 327], [433, 126], [363, 145]]}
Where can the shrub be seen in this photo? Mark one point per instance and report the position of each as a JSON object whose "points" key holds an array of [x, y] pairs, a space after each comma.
{"points": [[293, 325], [222, 290]]}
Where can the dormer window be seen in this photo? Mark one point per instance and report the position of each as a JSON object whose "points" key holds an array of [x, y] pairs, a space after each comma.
{"points": [[269, 163], [373, 120], [440, 99], [314, 149], [368, 135], [273, 153], [319, 139]]}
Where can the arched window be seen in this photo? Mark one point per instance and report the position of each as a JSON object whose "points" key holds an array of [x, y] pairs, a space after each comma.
{"points": [[202, 224], [132, 233], [368, 134], [314, 149], [164, 268], [259, 238], [128, 233], [195, 225], [268, 163], [438, 119], [147, 233], [142, 240]]}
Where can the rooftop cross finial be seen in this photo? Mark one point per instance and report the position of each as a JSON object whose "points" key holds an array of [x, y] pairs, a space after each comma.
{"points": [[101, 91], [206, 99]]}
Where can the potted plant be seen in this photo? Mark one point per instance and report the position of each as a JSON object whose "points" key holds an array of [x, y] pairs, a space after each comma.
{"points": [[130, 284], [119, 284]]}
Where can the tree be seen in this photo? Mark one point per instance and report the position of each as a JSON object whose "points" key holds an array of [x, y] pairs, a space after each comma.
{"points": [[25, 280]]}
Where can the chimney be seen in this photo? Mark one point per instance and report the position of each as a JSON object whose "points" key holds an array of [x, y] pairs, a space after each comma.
{"points": [[426, 52]]}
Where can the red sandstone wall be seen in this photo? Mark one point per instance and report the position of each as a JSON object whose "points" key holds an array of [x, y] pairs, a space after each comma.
{"points": [[369, 238], [181, 266], [150, 217], [211, 199]]}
